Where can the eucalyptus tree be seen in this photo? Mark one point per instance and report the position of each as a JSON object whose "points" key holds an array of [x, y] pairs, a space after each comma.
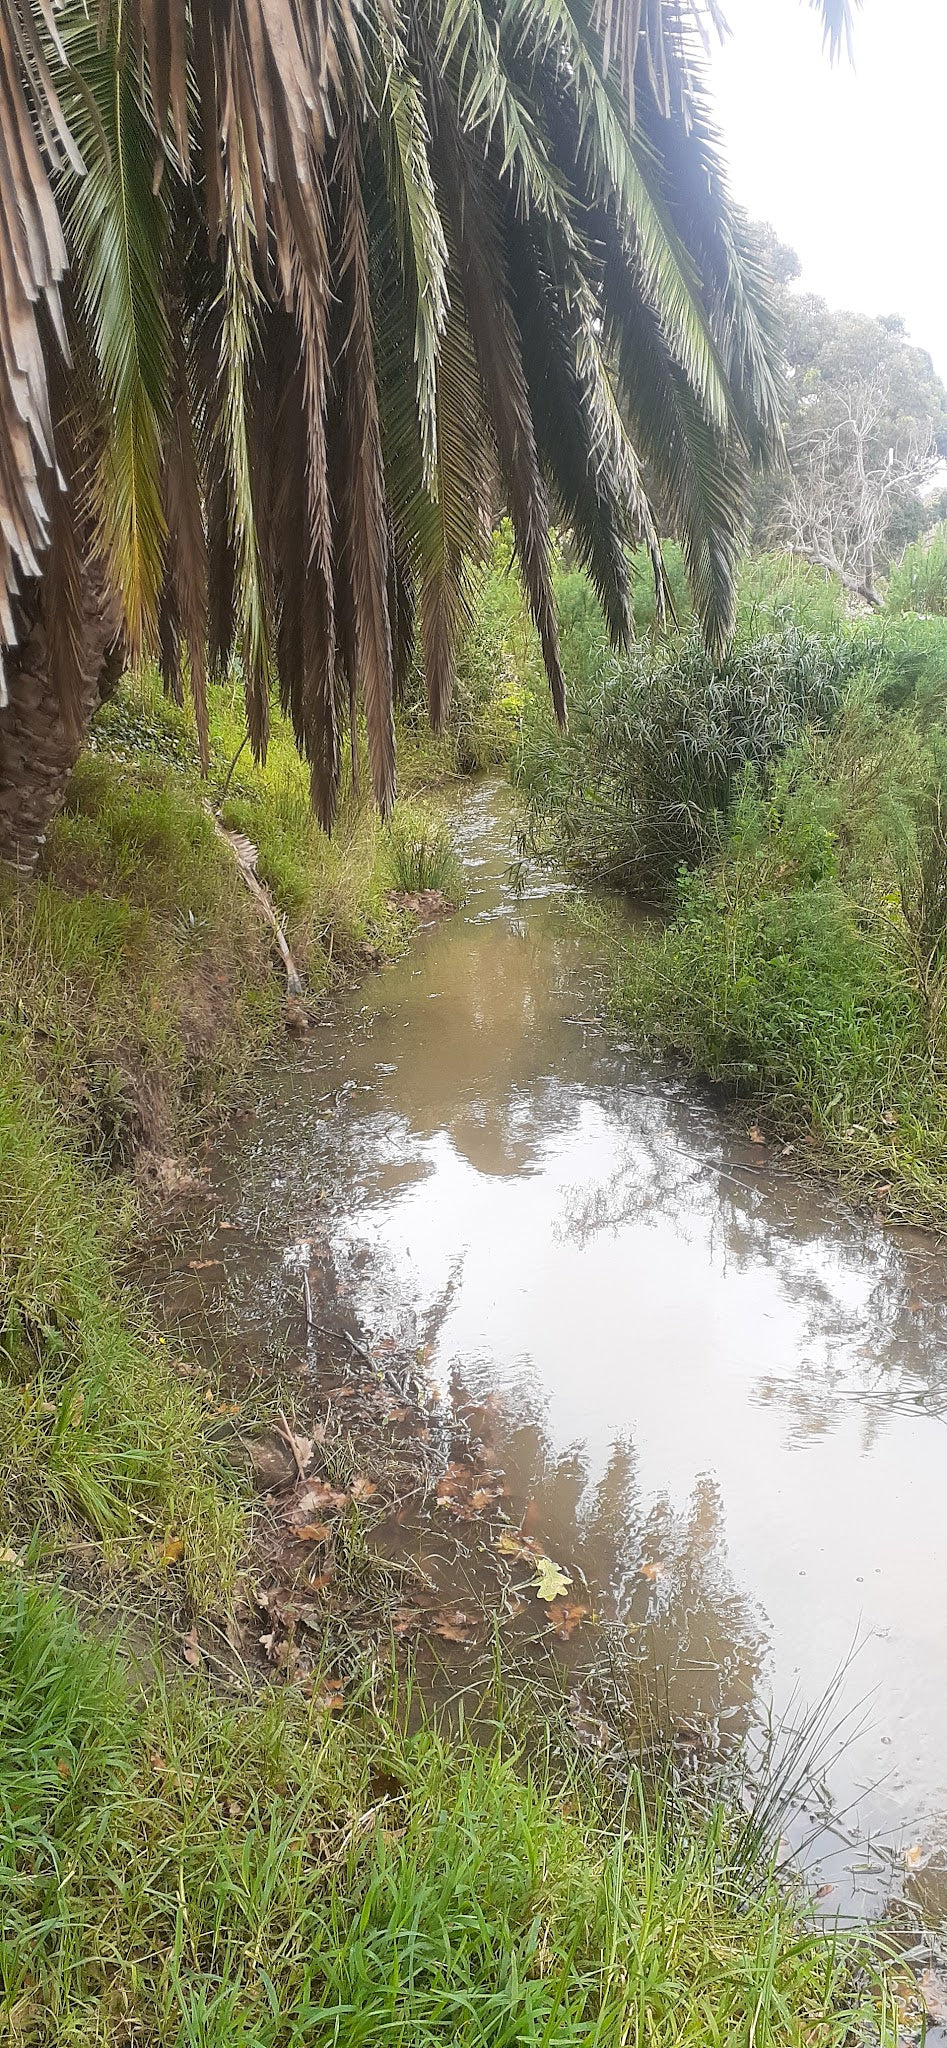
{"points": [[292, 290]]}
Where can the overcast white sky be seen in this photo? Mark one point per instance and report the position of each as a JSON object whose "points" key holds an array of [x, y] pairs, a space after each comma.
{"points": [[847, 161]]}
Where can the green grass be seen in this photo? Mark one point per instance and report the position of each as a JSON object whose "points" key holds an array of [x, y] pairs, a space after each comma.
{"points": [[419, 853], [918, 582], [103, 1446], [137, 983], [179, 1870]]}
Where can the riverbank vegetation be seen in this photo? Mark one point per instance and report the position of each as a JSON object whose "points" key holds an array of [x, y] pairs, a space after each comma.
{"points": [[785, 812], [138, 981], [288, 313], [183, 1869], [192, 1855]]}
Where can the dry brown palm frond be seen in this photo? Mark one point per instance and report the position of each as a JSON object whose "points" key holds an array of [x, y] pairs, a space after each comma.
{"points": [[33, 139], [65, 566]]}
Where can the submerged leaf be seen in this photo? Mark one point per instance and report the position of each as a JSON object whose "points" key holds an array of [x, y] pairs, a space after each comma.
{"points": [[551, 1582]]}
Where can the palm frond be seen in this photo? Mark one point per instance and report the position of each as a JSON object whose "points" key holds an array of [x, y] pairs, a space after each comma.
{"points": [[699, 475], [498, 348], [404, 140], [238, 340], [185, 595], [34, 140], [117, 226], [363, 509]]}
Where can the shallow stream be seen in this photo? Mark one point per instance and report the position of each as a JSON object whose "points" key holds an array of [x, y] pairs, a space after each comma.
{"points": [[725, 1395]]}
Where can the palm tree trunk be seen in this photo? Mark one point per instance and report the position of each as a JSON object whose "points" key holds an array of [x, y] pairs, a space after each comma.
{"points": [[39, 740]]}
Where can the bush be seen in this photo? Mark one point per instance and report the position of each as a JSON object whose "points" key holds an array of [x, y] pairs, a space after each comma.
{"points": [[918, 582], [807, 973], [658, 746], [776, 591]]}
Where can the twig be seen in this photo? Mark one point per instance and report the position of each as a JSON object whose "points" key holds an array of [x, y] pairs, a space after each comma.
{"points": [[244, 742], [293, 1442]]}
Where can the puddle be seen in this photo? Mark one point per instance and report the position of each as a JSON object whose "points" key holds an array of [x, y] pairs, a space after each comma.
{"points": [[725, 1396]]}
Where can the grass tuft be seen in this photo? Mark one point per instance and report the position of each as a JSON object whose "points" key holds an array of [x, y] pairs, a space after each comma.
{"points": [[419, 853]]}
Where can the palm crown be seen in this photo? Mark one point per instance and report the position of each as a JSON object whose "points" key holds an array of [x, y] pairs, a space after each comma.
{"points": [[331, 280]]}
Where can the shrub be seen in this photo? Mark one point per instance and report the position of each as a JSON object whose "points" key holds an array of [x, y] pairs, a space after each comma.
{"points": [[810, 976], [658, 747], [918, 582]]}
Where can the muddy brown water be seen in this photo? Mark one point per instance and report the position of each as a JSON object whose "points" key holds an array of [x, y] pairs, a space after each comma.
{"points": [[725, 1395]]}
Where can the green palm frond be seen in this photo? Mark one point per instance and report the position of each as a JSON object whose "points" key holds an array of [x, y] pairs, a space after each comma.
{"points": [[117, 226], [240, 303], [404, 138], [363, 508]]}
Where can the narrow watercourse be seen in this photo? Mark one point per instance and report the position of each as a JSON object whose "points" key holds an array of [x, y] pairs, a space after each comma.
{"points": [[716, 1395]]}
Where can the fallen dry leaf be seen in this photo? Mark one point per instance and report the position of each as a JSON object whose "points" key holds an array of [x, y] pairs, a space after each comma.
{"points": [[565, 1618], [465, 1492], [654, 1569], [404, 1619], [455, 1627], [934, 1994], [329, 1697], [172, 1550], [193, 1654], [300, 1446], [755, 1135], [512, 1543], [551, 1582], [202, 1265], [362, 1488], [9, 1557], [315, 1495], [313, 1532], [913, 1857]]}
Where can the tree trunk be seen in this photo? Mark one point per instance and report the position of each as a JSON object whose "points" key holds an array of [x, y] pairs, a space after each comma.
{"points": [[39, 742]]}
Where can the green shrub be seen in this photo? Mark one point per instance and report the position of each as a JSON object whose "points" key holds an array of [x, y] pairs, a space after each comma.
{"points": [[826, 1006], [658, 746], [918, 582], [778, 591]]}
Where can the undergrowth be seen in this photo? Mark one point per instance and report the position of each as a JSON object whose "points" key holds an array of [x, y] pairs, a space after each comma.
{"points": [[137, 983], [179, 1870]]}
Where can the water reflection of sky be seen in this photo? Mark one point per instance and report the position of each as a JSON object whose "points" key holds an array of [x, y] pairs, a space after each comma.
{"points": [[706, 1368]]}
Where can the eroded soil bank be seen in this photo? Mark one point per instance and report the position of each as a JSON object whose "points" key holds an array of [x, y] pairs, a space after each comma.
{"points": [[528, 1301]]}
